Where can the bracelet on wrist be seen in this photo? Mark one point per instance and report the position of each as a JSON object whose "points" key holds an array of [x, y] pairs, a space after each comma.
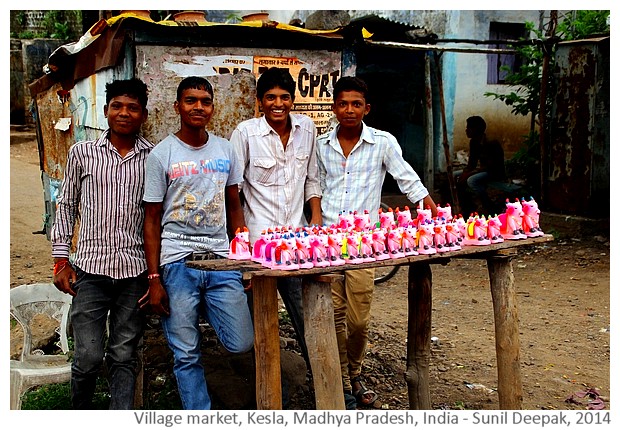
{"points": [[152, 276], [59, 266]]}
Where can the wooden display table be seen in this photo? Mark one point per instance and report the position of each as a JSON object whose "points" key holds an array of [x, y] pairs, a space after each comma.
{"points": [[321, 334]]}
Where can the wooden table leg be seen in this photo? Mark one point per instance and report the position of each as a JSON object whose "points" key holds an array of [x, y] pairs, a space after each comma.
{"points": [[267, 343], [419, 335], [321, 341], [507, 345]]}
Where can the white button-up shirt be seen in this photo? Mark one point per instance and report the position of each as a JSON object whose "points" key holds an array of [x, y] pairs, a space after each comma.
{"points": [[354, 183], [277, 181]]}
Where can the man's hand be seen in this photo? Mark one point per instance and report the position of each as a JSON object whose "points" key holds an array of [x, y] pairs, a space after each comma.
{"points": [[156, 297], [64, 277]]}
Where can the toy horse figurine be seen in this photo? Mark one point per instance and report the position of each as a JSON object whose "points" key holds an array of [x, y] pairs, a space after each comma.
{"points": [[353, 250], [361, 222], [531, 215], [318, 250], [425, 238], [240, 245], [394, 243], [378, 245], [424, 215], [366, 250], [512, 221], [476, 233], [409, 240], [334, 249], [444, 212], [494, 226], [439, 237], [284, 255], [386, 219], [453, 241], [403, 217], [302, 250], [258, 249]]}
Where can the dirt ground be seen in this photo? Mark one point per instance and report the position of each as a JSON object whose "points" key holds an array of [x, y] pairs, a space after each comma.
{"points": [[563, 293]]}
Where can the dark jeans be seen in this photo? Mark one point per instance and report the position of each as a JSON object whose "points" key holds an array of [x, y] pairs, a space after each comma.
{"points": [[97, 296]]}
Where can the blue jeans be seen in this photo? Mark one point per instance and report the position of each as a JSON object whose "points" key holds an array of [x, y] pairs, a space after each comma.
{"points": [[97, 296], [219, 298]]}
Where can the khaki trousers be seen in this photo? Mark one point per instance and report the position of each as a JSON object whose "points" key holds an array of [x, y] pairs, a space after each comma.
{"points": [[352, 299]]}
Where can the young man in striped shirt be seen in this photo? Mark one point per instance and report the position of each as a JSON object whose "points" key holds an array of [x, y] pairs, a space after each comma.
{"points": [[103, 187], [353, 159]]}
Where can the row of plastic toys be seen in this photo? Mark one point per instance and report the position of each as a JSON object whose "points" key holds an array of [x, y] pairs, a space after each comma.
{"points": [[355, 240]]}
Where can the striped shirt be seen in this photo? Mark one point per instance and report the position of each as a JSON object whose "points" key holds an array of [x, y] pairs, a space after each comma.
{"points": [[354, 183], [103, 192], [276, 181]]}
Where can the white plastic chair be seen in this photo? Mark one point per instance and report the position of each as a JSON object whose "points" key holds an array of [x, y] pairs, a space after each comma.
{"points": [[34, 367]]}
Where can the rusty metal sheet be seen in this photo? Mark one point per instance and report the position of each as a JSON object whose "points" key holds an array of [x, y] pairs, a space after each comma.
{"points": [[579, 147]]}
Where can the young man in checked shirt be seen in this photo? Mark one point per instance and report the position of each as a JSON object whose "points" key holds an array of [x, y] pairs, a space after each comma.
{"points": [[277, 152], [353, 159], [103, 187]]}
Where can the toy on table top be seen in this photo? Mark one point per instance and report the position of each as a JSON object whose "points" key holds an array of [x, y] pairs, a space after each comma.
{"points": [[445, 212], [240, 245], [453, 239], [345, 220], [439, 237], [476, 232], [409, 241], [403, 217], [258, 249], [424, 215], [352, 254], [386, 219], [284, 254], [361, 221], [335, 244], [512, 221], [426, 244], [531, 215], [302, 250], [394, 239], [365, 246], [379, 245], [318, 250], [494, 227]]}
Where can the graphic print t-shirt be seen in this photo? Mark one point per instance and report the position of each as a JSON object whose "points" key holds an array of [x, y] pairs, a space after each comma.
{"points": [[191, 182]]}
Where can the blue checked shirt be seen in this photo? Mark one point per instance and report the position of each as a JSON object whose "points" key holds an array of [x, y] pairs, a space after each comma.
{"points": [[354, 183]]}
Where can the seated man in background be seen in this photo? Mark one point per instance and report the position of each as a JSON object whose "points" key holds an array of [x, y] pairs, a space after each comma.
{"points": [[485, 164]]}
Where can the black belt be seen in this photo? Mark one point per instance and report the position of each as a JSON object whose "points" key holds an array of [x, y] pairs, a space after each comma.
{"points": [[206, 255]]}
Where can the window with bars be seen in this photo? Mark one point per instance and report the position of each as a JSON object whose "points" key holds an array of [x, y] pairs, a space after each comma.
{"points": [[498, 63]]}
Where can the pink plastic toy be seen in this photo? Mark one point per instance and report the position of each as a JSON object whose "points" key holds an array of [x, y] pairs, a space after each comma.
{"points": [[386, 219], [361, 222], [302, 249], [353, 249], [394, 243], [258, 250], [240, 245], [425, 238], [378, 245], [531, 215], [494, 226], [439, 238], [512, 221], [445, 212], [476, 233], [403, 217], [318, 250], [366, 250], [453, 241], [334, 249], [424, 215], [409, 240], [284, 255]]}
